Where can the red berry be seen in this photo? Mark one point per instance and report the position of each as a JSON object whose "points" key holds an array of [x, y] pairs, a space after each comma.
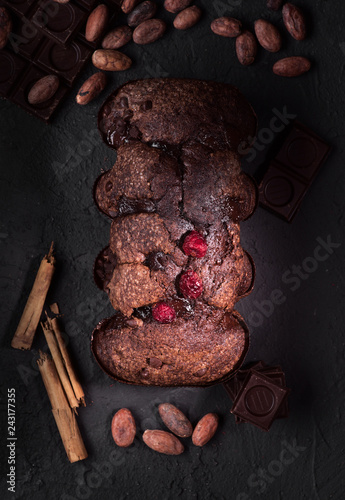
{"points": [[163, 313], [190, 285], [195, 245]]}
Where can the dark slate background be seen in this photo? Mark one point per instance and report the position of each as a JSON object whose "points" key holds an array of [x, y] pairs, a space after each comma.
{"points": [[47, 174]]}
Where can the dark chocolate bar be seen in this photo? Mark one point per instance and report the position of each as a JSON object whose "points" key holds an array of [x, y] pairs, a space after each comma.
{"points": [[292, 171], [46, 38], [259, 400], [274, 373], [64, 61]]}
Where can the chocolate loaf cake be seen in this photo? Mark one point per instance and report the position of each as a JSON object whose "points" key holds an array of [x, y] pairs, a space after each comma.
{"points": [[174, 268]]}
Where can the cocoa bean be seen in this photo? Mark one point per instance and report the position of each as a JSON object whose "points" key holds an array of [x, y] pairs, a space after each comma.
{"points": [[187, 18], [91, 88], [246, 48], [5, 26], [163, 442], [111, 60], [117, 38], [292, 66], [43, 89], [274, 4], [128, 5], [226, 26], [294, 21], [145, 10], [175, 420], [268, 35], [149, 31], [175, 6], [96, 23], [123, 428], [205, 429]]}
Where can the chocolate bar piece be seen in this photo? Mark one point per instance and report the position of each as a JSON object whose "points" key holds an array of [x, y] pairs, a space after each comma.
{"points": [[259, 400], [292, 171], [60, 22], [47, 38], [275, 373], [64, 61]]}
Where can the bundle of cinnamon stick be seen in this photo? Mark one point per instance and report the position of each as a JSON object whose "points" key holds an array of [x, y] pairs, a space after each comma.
{"points": [[65, 416], [63, 387]]}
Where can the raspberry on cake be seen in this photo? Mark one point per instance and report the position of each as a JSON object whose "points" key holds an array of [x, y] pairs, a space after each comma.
{"points": [[190, 285], [195, 245], [163, 313]]}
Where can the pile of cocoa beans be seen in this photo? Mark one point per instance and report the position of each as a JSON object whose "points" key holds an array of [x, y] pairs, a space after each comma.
{"points": [[123, 429], [268, 36], [142, 27]]}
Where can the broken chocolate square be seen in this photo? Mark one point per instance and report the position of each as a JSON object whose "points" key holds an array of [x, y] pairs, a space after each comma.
{"points": [[259, 400], [274, 373], [292, 171]]}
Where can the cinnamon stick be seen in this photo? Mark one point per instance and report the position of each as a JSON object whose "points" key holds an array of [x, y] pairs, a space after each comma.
{"points": [[65, 417], [28, 323], [78, 390], [59, 363]]}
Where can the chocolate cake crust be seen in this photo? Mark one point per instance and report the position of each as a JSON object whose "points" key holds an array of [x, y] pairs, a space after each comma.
{"points": [[149, 353]]}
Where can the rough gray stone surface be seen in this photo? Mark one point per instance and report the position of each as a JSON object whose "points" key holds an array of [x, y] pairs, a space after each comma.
{"points": [[47, 174]]}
